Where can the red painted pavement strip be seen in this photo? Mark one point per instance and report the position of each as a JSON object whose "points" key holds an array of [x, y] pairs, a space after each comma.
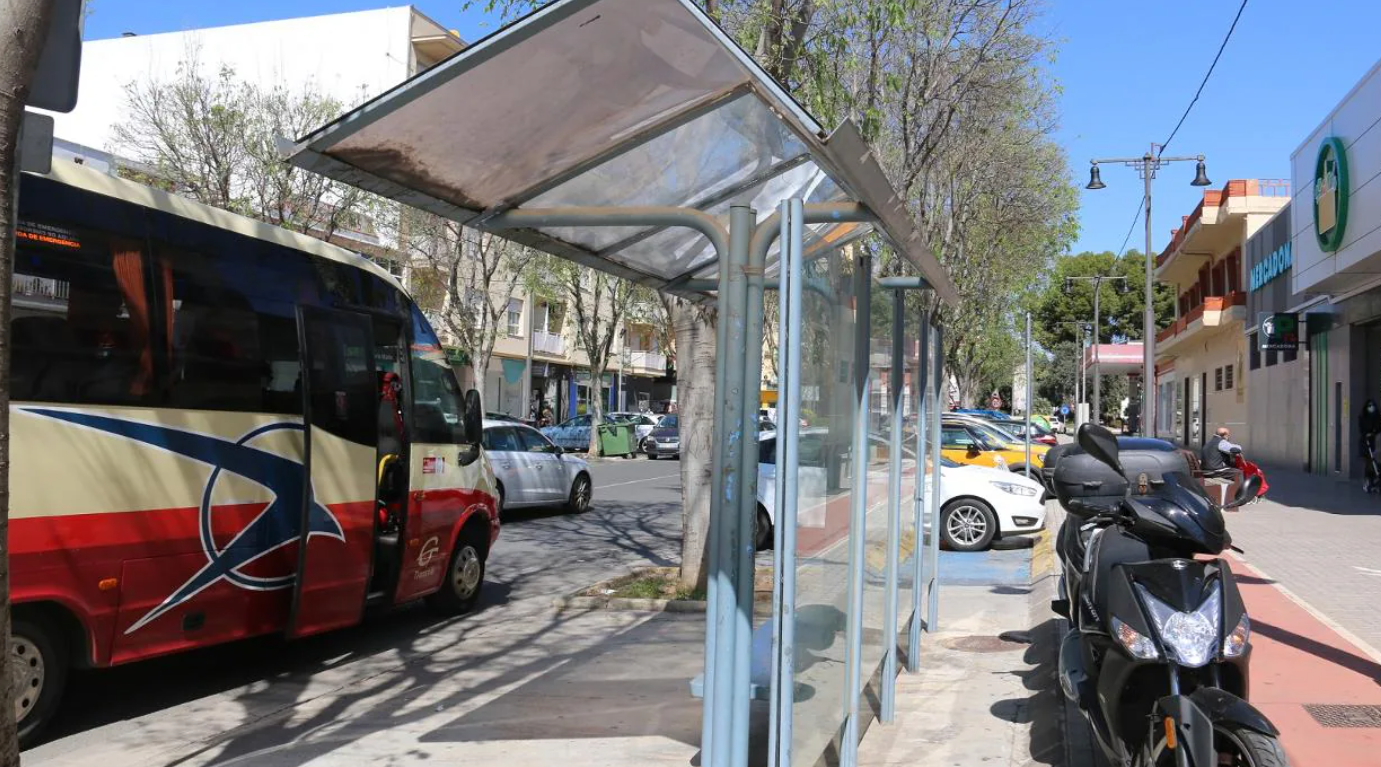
{"points": [[1297, 660]]}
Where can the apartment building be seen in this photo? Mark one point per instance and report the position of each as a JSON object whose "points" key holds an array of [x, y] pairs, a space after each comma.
{"points": [[1200, 375]]}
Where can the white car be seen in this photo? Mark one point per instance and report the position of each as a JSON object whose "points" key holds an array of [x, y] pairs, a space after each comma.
{"points": [[979, 503], [532, 471], [643, 423]]}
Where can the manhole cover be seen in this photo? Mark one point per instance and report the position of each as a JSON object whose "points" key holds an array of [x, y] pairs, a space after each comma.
{"points": [[982, 644], [1345, 716]]}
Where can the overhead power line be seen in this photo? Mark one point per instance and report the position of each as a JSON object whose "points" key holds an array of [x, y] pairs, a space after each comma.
{"points": [[1122, 251], [1207, 75]]}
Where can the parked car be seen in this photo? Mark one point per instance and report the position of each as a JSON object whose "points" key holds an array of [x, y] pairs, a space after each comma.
{"points": [[986, 413], [502, 417], [978, 504], [970, 441], [1017, 430], [643, 423], [665, 439], [573, 433], [531, 470]]}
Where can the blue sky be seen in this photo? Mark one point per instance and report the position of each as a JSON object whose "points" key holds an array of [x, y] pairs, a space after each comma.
{"points": [[1126, 68]]}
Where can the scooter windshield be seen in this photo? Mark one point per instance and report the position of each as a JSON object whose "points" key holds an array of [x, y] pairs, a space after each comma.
{"points": [[1197, 519]]}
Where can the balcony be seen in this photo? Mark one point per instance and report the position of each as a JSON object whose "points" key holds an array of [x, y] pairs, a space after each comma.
{"points": [[1212, 313], [550, 344], [651, 363]]}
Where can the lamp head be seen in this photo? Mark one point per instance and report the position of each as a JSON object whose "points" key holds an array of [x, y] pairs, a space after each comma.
{"points": [[1200, 175], [1095, 179]]}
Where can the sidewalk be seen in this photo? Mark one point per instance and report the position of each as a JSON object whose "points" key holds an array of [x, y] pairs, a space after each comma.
{"points": [[1311, 577], [986, 691]]}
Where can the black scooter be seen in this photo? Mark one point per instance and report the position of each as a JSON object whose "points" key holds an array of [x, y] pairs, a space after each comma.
{"points": [[1158, 653]]}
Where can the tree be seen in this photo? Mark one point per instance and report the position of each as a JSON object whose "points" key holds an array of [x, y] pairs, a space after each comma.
{"points": [[599, 303], [466, 279], [1120, 314], [24, 25], [212, 137]]}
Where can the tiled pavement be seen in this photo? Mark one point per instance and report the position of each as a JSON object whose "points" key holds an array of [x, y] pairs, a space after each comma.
{"points": [[1320, 539]]}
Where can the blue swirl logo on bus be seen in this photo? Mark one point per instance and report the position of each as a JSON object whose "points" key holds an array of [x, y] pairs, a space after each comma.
{"points": [[276, 526]]}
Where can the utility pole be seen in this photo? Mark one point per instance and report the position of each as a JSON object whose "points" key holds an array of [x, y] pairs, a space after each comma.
{"points": [[1147, 165]]}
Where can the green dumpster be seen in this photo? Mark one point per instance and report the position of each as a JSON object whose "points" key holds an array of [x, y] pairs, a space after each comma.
{"points": [[617, 439]]}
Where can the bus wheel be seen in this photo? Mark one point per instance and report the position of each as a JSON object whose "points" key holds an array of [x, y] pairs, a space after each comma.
{"points": [[40, 673], [461, 587]]}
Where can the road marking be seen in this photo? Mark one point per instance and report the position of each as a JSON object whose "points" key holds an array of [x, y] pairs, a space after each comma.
{"points": [[1367, 570], [635, 481]]}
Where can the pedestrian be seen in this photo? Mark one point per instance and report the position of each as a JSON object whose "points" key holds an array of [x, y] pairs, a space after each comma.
{"points": [[1216, 458], [1369, 425]]}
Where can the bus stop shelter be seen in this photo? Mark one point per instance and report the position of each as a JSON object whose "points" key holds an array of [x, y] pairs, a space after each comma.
{"points": [[635, 137]]}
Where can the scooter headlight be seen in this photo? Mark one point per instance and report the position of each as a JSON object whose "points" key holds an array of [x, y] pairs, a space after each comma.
{"points": [[1191, 637], [1134, 642], [1236, 643]]}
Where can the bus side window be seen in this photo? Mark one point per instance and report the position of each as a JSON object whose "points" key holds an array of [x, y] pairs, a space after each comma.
{"points": [[438, 406], [81, 327], [231, 348]]}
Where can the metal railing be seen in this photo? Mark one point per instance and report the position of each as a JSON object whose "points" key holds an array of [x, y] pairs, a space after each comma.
{"points": [[550, 344]]}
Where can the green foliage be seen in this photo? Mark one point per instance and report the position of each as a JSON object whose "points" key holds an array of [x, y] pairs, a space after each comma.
{"points": [[1121, 314]]}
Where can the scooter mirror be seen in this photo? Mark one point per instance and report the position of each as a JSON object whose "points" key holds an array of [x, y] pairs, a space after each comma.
{"points": [[1101, 444], [1248, 490]]}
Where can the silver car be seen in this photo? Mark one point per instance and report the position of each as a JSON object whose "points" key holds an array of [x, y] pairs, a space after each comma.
{"points": [[532, 471]]}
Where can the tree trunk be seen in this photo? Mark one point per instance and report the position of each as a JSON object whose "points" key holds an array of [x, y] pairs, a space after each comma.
{"points": [[481, 370], [24, 26], [695, 403], [596, 407]]}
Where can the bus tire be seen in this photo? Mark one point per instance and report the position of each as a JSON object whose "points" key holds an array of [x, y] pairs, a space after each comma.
{"points": [[464, 580], [41, 663]]}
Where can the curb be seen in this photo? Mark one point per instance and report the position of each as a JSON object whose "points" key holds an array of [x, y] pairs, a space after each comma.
{"points": [[626, 604]]}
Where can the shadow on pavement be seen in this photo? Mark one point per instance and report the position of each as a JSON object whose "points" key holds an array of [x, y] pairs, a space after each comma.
{"points": [[1041, 709], [1330, 495], [1347, 660]]}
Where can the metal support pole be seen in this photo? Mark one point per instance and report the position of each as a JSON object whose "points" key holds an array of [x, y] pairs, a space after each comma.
{"points": [[1097, 369], [784, 529], [722, 605], [894, 469], [858, 522], [918, 553], [1148, 334], [747, 509], [1083, 372], [933, 589], [1028, 395]]}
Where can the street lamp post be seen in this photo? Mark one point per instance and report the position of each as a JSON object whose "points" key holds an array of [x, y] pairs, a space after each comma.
{"points": [[1147, 165], [1080, 385], [1122, 288]]}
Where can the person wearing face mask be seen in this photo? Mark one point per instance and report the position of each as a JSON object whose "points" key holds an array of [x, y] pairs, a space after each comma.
{"points": [[1369, 425]]}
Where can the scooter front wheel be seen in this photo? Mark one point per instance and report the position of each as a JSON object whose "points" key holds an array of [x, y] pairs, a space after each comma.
{"points": [[1247, 748]]}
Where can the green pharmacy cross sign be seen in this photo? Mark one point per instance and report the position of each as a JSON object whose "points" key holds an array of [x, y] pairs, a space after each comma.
{"points": [[1330, 194], [1280, 332]]}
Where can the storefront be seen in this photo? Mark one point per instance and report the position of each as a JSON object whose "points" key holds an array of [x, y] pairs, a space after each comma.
{"points": [[1336, 255], [1277, 378]]}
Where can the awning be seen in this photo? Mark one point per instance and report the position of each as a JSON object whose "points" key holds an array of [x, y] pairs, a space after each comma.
{"points": [[610, 103]]}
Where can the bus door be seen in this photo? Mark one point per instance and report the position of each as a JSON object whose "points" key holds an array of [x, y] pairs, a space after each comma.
{"points": [[336, 525]]}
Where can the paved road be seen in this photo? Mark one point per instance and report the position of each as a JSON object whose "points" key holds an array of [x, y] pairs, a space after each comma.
{"points": [[375, 692]]}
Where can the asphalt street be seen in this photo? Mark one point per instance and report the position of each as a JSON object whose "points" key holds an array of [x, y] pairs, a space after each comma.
{"points": [[235, 703]]}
